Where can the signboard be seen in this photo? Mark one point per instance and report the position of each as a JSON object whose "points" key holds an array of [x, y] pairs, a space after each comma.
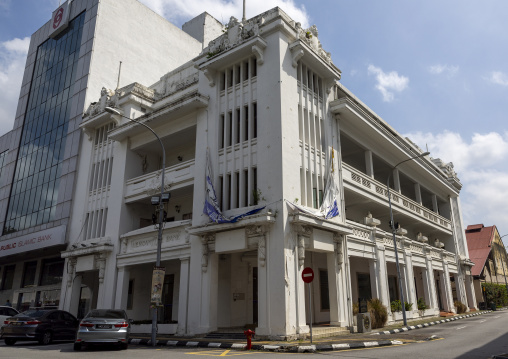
{"points": [[157, 283], [47, 238], [308, 275], [60, 19]]}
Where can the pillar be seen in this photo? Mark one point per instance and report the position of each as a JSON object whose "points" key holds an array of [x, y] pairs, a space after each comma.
{"points": [[263, 327], [369, 164], [471, 296], [396, 180], [301, 293], [374, 281], [382, 277], [333, 277], [122, 287], [418, 193], [449, 306], [410, 281], [429, 287], [183, 296]]}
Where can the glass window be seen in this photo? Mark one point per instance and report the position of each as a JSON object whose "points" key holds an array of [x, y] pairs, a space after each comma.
{"points": [[29, 274], [52, 271], [46, 119], [323, 288], [8, 277]]}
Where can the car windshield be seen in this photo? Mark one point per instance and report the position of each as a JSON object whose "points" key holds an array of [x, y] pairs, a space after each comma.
{"points": [[106, 313], [32, 313]]}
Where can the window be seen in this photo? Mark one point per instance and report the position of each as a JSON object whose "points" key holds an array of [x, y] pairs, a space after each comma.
{"points": [[8, 277], [52, 271], [323, 289], [29, 274], [393, 288], [255, 120], [44, 133], [130, 294], [364, 290]]}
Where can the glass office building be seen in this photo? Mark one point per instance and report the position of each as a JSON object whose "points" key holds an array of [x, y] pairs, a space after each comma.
{"points": [[35, 185]]}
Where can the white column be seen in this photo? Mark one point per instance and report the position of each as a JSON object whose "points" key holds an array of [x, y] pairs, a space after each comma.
{"points": [[410, 281], [429, 287], [369, 170], [471, 296], [384, 295], [418, 193], [183, 296], [301, 291], [209, 281], [396, 180], [460, 288], [374, 280], [263, 283], [122, 287], [435, 206], [333, 287], [447, 289]]}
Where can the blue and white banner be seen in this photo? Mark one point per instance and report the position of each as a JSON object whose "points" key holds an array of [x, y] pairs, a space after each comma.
{"points": [[212, 208], [329, 207]]}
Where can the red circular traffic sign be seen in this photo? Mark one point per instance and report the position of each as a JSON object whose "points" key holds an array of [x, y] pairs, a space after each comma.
{"points": [[307, 274]]}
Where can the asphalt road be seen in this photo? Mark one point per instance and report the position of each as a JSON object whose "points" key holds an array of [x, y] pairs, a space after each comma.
{"points": [[476, 337]]}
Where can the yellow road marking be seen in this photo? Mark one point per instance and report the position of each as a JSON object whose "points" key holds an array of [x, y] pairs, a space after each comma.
{"points": [[220, 353]]}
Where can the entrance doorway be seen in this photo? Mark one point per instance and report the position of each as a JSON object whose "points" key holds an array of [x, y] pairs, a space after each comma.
{"points": [[166, 314], [255, 296]]}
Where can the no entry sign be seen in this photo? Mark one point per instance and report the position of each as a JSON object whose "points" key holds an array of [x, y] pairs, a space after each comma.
{"points": [[307, 274]]}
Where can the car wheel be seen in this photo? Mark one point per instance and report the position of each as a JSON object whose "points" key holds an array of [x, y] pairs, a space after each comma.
{"points": [[77, 347], [47, 338], [124, 346], [9, 341]]}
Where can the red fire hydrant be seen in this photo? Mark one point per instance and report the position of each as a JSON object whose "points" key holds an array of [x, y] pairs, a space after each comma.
{"points": [[249, 334]]}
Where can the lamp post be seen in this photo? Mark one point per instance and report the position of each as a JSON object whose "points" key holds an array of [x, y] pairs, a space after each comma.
{"points": [[502, 262], [394, 230], [114, 111]]}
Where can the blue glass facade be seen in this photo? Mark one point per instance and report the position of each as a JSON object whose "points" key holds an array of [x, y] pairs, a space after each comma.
{"points": [[34, 190]]}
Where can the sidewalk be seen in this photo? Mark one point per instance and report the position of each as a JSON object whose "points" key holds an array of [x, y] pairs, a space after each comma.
{"points": [[378, 337]]}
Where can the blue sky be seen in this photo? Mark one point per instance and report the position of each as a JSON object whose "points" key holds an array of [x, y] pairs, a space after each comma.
{"points": [[434, 70]]}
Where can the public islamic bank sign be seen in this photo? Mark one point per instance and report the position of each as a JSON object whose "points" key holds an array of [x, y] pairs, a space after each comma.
{"points": [[60, 19], [47, 238]]}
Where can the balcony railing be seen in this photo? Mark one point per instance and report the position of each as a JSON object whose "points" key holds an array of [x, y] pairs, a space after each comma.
{"points": [[363, 233], [400, 201], [178, 176]]}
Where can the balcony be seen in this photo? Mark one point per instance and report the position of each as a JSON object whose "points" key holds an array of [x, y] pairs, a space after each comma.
{"points": [[369, 187], [177, 176]]}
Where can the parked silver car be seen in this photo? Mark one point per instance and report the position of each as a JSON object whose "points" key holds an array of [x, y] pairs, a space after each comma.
{"points": [[101, 326]]}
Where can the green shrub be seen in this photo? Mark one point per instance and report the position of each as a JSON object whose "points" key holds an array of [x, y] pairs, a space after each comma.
{"points": [[460, 307], [396, 306], [378, 313], [408, 306], [421, 304], [495, 293], [355, 309]]}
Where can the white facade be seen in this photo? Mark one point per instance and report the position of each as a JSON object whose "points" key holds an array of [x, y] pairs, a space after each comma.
{"points": [[265, 101]]}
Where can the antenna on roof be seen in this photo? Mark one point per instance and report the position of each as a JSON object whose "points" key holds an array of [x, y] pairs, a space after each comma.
{"points": [[118, 81], [427, 146], [243, 18]]}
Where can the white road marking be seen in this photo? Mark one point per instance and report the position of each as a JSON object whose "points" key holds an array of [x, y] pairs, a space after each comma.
{"points": [[464, 326], [483, 321]]}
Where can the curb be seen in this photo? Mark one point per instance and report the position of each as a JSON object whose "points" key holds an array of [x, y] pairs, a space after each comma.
{"points": [[274, 348], [419, 326]]}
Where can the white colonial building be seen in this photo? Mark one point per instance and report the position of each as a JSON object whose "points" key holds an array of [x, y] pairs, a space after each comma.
{"points": [[261, 99]]}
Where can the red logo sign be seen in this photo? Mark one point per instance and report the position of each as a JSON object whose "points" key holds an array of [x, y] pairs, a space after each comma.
{"points": [[58, 18], [307, 275]]}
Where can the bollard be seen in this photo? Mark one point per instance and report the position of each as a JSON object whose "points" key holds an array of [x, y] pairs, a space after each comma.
{"points": [[249, 334]]}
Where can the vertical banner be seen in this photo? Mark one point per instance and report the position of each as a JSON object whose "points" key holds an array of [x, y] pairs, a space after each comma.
{"points": [[157, 282]]}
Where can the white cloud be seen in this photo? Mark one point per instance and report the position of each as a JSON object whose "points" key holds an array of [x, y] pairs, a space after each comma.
{"points": [[387, 83], [499, 78], [446, 69], [481, 165], [12, 65], [222, 10]]}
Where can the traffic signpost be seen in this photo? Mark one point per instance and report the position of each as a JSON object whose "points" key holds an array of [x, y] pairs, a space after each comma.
{"points": [[308, 277]]}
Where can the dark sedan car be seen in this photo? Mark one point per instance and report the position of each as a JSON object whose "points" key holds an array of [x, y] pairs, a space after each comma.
{"points": [[42, 325]]}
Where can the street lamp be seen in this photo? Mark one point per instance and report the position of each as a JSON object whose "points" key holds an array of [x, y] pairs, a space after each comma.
{"points": [[163, 199], [392, 225], [505, 254]]}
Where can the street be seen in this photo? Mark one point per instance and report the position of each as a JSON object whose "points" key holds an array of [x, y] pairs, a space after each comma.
{"points": [[476, 337]]}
